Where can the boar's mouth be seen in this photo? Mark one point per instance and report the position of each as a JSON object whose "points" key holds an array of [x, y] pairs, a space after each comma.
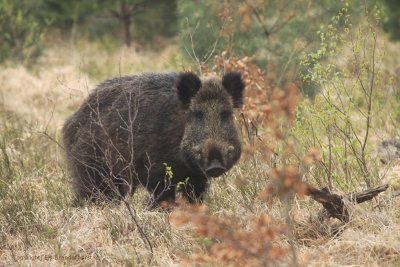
{"points": [[215, 169]]}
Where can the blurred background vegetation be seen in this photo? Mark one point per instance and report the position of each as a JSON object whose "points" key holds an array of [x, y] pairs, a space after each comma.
{"points": [[273, 32]]}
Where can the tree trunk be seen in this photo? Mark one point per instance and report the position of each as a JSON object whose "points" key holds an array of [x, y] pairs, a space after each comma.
{"points": [[125, 22]]}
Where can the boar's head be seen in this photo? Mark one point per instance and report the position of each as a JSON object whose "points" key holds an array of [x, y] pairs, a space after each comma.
{"points": [[210, 143]]}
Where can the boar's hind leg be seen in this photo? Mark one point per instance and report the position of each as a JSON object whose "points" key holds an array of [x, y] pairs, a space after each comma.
{"points": [[194, 189], [124, 186], [96, 185]]}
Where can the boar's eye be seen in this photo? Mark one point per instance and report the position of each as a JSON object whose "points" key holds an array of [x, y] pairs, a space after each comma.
{"points": [[198, 115], [225, 115]]}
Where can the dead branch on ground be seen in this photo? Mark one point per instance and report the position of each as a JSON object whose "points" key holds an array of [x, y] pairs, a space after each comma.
{"points": [[335, 205]]}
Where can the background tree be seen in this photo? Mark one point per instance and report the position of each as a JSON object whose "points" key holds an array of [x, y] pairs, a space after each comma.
{"points": [[124, 12], [22, 27], [392, 20]]}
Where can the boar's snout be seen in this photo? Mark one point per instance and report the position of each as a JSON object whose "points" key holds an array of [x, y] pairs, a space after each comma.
{"points": [[215, 168], [215, 163]]}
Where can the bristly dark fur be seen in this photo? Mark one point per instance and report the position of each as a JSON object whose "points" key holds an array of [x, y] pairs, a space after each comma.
{"points": [[232, 81], [130, 127], [212, 94]]}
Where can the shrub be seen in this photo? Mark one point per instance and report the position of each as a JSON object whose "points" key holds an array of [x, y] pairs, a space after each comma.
{"points": [[22, 28], [340, 120]]}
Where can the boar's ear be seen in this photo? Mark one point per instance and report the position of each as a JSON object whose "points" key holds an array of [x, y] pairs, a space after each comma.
{"points": [[233, 83], [188, 84]]}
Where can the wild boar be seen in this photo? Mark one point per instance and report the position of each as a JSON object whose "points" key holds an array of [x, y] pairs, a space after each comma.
{"points": [[130, 129]]}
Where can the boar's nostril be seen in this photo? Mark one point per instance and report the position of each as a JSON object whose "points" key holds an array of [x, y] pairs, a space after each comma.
{"points": [[215, 168]]}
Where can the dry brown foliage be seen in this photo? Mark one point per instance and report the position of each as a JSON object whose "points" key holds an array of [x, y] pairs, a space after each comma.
{"points": [[232, 245]]}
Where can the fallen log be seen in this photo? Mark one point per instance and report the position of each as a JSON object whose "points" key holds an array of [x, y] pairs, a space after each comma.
{"points": [[335, 204]]}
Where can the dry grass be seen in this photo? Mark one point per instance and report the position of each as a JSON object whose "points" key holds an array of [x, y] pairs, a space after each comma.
{"points": [[39, 225]]}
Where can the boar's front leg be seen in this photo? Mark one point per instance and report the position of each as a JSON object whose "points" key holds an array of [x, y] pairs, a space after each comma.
{"points": [[194, 189], [162, 194], [160, 187]]}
